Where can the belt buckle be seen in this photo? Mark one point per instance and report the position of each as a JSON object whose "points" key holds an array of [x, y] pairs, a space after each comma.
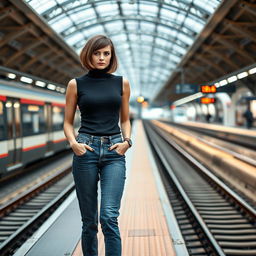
{"points": [[105, 139]]}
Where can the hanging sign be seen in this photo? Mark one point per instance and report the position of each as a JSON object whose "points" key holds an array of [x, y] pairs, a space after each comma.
{"points": [[205, 100], [208, 89]]}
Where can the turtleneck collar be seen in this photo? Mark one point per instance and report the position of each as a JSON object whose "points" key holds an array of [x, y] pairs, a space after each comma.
{"points": [[99, 73]]}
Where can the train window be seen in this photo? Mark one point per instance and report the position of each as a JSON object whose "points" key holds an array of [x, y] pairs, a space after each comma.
{"points": [[2, 122], [33, 119], [16, 106], [9, 114], [57, 118]]}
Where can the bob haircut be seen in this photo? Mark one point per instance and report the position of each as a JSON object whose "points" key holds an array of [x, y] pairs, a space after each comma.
{"points": [[93, 44]]}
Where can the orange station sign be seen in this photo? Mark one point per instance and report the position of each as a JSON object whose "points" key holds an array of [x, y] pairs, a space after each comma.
{"points": [[208, 89], [205, 100]]}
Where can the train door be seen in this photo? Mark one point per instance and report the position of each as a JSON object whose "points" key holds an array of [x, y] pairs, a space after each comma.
{"points": [[14, 133], [48, 118]]}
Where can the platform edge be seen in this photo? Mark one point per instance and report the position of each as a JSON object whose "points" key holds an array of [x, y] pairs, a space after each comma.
{"points": [[173, 227]]}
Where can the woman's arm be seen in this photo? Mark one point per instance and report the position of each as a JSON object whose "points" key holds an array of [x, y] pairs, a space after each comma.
{"points": [[124, 112], [125, 120], [70, 109]]}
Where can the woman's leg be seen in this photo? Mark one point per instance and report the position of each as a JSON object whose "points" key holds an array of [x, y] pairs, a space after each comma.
{"points": [[112, 179], [86, 178]]}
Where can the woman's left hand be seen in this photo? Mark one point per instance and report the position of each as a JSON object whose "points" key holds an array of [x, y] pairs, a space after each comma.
{"points": [[120, 147]]}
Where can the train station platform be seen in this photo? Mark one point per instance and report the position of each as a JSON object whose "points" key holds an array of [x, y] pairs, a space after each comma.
{"points": [[147, 223], [219, 127]]}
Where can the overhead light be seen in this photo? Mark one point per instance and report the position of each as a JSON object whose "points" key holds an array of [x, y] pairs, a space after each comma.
{"points": [[11, 75], [242, 75], [140, 99], [40, 83], [62, 90], [16, 105], [252, 71], [223, 82], [8, 104], [217, 84], [51, 86], [232, 79], [26, 80]]}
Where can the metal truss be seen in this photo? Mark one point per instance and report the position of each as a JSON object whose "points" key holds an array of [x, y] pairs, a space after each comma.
{"points": [[154, 39], [153, 32]]}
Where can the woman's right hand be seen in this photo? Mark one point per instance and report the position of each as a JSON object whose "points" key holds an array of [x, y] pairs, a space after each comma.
{"points": [[80, 148]]}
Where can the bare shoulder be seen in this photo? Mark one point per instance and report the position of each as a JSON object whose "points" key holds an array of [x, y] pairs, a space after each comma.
{"points": [[126, 85], [72, 83], [125, 81], [72, 87]]}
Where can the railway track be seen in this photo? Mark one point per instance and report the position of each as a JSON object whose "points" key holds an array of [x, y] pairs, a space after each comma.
{"points": [[242, 140], [20, 217], [242, 153], [213, 219]]}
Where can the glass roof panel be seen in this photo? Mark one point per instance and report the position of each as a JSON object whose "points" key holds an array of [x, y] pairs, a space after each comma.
{"points": [[60, 1], [131, 25], [172, 15], [42, 5], [146, 38], [209, 5], [75, 38], [128, 9], [147, 26], [60, 26], [193, 25], [150, 37], [119, 37], [106, 10], [148, 9], [113, 26], [165, 30], [179, 49], [83, 15]]}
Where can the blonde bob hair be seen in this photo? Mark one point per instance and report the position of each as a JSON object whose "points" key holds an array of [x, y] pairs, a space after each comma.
{"points": [[93, 44]]}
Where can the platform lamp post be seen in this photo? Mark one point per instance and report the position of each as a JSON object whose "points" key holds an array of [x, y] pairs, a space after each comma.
{"points": [[140, 100]]}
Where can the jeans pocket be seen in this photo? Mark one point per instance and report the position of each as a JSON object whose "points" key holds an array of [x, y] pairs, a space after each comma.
{"points": [[117, 152], [82, 154], [82, 140], [116, 140]]}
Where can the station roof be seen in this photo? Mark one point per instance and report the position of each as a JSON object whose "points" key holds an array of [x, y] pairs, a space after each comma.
{"points": [[159, 43], [151, 37]]}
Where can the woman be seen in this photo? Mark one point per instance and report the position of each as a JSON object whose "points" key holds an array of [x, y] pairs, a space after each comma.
{"points": [[99, 148]]}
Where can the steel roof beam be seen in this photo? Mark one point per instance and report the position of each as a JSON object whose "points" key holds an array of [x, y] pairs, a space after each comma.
{"points": [[240, 27], [231, 44]]}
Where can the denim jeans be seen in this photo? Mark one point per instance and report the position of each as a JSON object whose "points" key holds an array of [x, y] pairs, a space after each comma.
{"points": [[108, 166]]}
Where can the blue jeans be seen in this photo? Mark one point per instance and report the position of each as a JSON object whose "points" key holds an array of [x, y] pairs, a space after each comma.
{"points": [[108, 166]]}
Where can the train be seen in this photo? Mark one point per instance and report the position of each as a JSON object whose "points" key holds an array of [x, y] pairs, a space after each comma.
{"points": [[178, 115], [31, 125]]}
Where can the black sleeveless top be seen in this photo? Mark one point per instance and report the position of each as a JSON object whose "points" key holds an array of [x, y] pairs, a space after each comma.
{"points": [[99, 96]]}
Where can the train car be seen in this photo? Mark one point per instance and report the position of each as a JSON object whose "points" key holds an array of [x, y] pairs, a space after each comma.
{"points": [[31, 125], [179, 115]]}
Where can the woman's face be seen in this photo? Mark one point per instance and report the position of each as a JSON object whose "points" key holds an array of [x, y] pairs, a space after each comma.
{"points": [[101, 58]]}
